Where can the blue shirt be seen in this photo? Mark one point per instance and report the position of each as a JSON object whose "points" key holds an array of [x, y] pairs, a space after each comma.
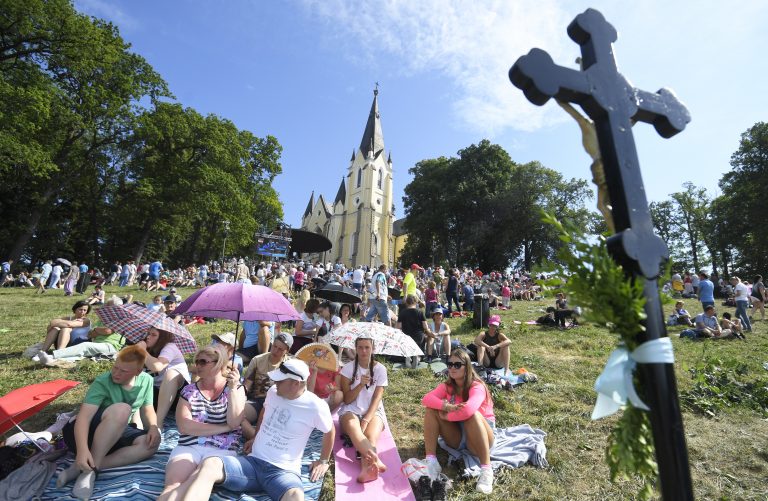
{"points": [[251, 333], [83, 268], [6, 267], [706, 291], [155, 268]]}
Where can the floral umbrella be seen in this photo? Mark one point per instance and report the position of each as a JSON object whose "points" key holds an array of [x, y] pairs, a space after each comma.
{"points": [[386, 340]]}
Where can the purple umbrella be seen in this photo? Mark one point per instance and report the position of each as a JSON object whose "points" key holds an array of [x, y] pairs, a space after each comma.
{"points": [[238, 301]]}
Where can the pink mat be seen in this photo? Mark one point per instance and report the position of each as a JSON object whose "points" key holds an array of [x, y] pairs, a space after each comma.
{"points": [[391, 484]]}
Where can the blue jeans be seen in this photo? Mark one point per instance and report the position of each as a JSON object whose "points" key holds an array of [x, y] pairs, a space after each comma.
{"points": [[743, 315], [248, 474], [123, 280], [378, 306], [453, 296]]}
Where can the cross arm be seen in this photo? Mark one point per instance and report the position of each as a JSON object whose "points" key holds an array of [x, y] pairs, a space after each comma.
{"points": [[663, 110], [541, 79]]}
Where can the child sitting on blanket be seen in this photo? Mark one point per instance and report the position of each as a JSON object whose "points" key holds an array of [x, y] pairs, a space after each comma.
{"points": [[361, 416], [461, 411], [326, 385], [100, 435]]}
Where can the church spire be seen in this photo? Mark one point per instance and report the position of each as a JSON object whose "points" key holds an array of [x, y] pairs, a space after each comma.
{"points": [[373, 139], [311, 204], [341, 195]]}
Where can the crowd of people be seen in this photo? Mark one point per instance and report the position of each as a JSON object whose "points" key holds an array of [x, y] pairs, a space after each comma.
{"points": [[244, 413], [245, 409]]}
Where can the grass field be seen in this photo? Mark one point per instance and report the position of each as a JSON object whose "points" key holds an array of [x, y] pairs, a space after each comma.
{"points": [[728, 452]]}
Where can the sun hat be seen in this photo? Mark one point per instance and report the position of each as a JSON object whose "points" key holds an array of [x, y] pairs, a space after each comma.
{"points": [[226, 338], [293, 368], [494, 320]]}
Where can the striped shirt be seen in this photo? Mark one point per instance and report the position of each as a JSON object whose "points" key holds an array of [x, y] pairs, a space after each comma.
{"points": [[211, 412]]}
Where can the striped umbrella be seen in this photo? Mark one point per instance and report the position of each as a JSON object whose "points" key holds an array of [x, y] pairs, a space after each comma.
{"points": [[133, 322]]}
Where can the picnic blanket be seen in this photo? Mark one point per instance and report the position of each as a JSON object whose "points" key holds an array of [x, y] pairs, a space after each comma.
{"points": [[512, 447], [391, 484], [144, 481]]}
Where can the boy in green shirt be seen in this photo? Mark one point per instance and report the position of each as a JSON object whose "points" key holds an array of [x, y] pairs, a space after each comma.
{"points": [[100, 435]]}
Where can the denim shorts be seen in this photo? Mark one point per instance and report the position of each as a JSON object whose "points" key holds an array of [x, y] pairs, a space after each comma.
{"points": [[248, 474], [463, 442]]}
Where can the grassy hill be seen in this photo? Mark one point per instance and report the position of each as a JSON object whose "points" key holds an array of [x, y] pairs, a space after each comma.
{"points": [[728, 443]]}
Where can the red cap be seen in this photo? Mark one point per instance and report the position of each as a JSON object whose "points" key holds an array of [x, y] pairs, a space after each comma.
{"points": [[415, 266]]}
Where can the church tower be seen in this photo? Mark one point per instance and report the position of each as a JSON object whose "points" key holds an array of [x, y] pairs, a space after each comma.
{"points": [[368, 215]]}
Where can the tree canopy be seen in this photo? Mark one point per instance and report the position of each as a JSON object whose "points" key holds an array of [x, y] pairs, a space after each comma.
{"points": [[98, 162], [483, 209]]}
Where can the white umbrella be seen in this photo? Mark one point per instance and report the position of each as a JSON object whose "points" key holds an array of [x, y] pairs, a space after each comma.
{"points": [[63, 261], [386, 340]]}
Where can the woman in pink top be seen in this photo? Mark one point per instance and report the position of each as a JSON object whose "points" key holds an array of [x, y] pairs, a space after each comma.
{"points": [[461, 411], [430, 298]]}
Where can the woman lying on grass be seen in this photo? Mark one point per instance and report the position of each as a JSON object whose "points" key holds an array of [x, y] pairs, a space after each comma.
{"points": [[461, 411], [362, 413]]}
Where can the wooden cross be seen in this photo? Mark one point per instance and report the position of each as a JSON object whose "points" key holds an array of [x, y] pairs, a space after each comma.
{"points": [[614, 105]]}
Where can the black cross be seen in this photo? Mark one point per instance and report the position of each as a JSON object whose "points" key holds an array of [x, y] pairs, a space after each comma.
{"points": [[614, 105]]}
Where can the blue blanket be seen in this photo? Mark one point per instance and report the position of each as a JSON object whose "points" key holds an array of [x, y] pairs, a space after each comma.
{"points": [[144, 481]]}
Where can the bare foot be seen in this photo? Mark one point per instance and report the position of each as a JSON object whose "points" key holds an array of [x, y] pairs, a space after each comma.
{"points": [[368, 474]]}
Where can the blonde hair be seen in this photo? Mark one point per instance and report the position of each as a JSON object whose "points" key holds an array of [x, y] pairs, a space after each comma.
{"points": [[219, 352]]}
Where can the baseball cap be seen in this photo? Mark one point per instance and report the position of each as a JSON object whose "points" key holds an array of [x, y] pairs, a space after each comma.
{"points": [[436, 311], [170, 299], [226, 338], [415, 266], [494, 320], [285, 338], [293, 368]]}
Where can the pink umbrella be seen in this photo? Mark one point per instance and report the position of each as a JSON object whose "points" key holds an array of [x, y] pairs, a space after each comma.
{"points": [[238, 301]]}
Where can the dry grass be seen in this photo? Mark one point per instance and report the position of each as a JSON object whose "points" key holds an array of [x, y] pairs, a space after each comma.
{"points": [[728, 453]]}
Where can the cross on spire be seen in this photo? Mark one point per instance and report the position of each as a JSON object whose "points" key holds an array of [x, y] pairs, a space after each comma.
{"points": [[613, 104]]}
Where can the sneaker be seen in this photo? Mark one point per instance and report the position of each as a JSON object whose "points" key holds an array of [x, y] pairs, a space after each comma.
{"points": [[485, 482], [438, 489], [32, 350], [424, 488], [433, 469]]}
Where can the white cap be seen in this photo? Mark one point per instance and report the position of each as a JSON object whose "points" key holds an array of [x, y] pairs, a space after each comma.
{"points": [[293, 368], [226, 338]]}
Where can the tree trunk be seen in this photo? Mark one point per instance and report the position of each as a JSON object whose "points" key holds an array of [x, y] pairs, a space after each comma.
{"points": [[527, 258], [139, 252], [713, 255], [33, 221]]}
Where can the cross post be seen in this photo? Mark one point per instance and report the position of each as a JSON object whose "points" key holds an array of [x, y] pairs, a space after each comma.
{"points": [[614, 105]]}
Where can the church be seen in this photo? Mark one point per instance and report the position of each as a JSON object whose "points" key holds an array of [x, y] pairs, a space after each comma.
{"points": [[360, 220]]}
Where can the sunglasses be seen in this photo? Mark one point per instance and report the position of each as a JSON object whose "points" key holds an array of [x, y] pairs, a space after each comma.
{"points": [[454, 365], [286, 370], [204, 362]]}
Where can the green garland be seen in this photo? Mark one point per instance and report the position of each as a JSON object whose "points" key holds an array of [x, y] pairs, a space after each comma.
{"points": [[611, 299]]}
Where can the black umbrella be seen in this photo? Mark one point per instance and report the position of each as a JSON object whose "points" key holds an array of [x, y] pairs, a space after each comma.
{"points": [[338, 293], [307, 241], [395, 293], [319, 282]]}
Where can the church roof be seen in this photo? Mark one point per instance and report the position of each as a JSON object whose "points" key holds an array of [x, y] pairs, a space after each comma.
{"points": [[308, 210], [373, 137], [341, 196], [398, 227], [324, 205]]}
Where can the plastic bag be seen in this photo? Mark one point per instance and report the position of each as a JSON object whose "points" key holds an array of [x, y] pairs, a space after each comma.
{"points": [[414, 469]]}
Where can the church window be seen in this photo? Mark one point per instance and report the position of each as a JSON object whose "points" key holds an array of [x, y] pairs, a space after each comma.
{"points": [[359, 177], [380, 179]]}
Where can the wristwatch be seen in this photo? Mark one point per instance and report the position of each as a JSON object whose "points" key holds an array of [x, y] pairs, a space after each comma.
{"points": [[323, 461]]}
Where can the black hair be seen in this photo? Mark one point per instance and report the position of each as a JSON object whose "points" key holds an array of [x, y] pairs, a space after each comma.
{"points": [[80, 304]]}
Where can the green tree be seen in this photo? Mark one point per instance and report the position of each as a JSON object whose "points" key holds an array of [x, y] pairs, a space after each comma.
{"points": [[69, 90]]}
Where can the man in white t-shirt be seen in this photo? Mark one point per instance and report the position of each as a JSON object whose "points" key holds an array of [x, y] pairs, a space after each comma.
{"points": [[742, 293], [357, 278], [274, 464]]}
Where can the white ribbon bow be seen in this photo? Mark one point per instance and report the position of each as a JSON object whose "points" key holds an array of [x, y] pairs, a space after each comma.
{"points": [[614, 386]]}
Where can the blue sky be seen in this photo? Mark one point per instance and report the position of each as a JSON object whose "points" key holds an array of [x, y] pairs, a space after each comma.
{"points": [[304, 71]]}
